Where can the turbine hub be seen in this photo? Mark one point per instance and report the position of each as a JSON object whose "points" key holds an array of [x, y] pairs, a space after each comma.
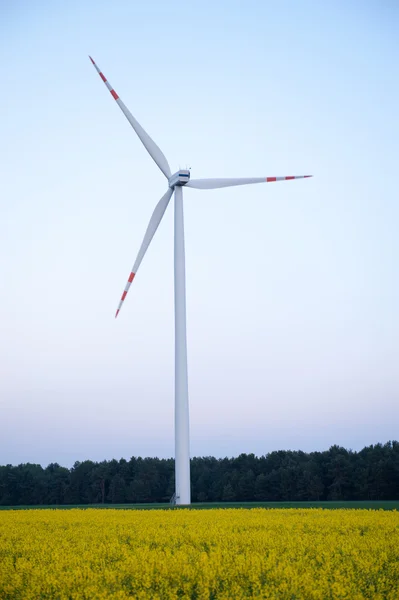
{"points": [[179, 178]]}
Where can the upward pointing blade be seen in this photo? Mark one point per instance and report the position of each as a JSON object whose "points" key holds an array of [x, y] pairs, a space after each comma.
{"points": [[149, 144], [211, 184], [155, 220]]}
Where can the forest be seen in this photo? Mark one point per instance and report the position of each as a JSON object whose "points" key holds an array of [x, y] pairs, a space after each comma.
{"points": [[284, 475]]}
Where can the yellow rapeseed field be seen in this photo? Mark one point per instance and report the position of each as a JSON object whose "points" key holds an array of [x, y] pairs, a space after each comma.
{"points": [[286, 554]]}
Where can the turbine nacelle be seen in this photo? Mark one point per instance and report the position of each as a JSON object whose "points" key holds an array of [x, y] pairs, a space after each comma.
{"points": [[180, 178]]}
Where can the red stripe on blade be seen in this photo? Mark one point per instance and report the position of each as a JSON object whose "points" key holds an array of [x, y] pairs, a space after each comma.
{"points": [[114, 94], [117, 312], [92, 60], [102, 77], [290, 177], [131, 277], [269, 179], [124, 295]]}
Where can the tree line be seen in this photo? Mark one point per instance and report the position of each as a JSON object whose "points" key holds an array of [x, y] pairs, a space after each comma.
{"points": [[284, 475]]}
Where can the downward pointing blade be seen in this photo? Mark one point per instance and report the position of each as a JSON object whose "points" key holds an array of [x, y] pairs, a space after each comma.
{"points": [[149, 144], [210, 184], [155, 220]]}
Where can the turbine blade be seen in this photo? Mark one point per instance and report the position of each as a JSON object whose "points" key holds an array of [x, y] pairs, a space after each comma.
{"points": [[149, 144], [155, 220], [210, 184]]}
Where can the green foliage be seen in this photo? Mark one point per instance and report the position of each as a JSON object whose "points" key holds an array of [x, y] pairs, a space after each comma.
{"points": [[336, 475]]}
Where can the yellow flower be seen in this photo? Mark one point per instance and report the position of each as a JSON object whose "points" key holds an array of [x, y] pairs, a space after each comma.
{"points": [[221, 554]]}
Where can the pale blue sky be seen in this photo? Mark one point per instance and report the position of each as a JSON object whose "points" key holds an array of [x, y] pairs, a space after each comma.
{"points": [[292, 288]]}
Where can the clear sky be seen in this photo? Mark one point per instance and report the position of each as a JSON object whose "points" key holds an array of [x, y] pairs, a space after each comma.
{"points": [[292, 288]]}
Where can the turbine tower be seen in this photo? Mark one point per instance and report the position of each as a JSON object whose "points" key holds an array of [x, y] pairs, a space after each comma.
{"points": [[175, 185]]}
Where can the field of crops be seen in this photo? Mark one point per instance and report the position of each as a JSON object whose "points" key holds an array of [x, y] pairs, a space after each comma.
{"points": [[289, 554]]}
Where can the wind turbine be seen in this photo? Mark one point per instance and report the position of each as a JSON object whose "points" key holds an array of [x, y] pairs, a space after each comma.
{"points": [[175, 185]]}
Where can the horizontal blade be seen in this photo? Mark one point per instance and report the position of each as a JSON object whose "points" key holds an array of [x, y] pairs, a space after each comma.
{"points": [[149, 144], [211, 184], [149, 234]]}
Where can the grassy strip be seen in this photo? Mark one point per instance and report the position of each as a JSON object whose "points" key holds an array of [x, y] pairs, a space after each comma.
{"points": [[365, 504]]}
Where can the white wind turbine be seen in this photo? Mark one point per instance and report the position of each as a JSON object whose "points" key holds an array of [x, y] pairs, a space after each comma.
{"points": [[175, 184]]}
